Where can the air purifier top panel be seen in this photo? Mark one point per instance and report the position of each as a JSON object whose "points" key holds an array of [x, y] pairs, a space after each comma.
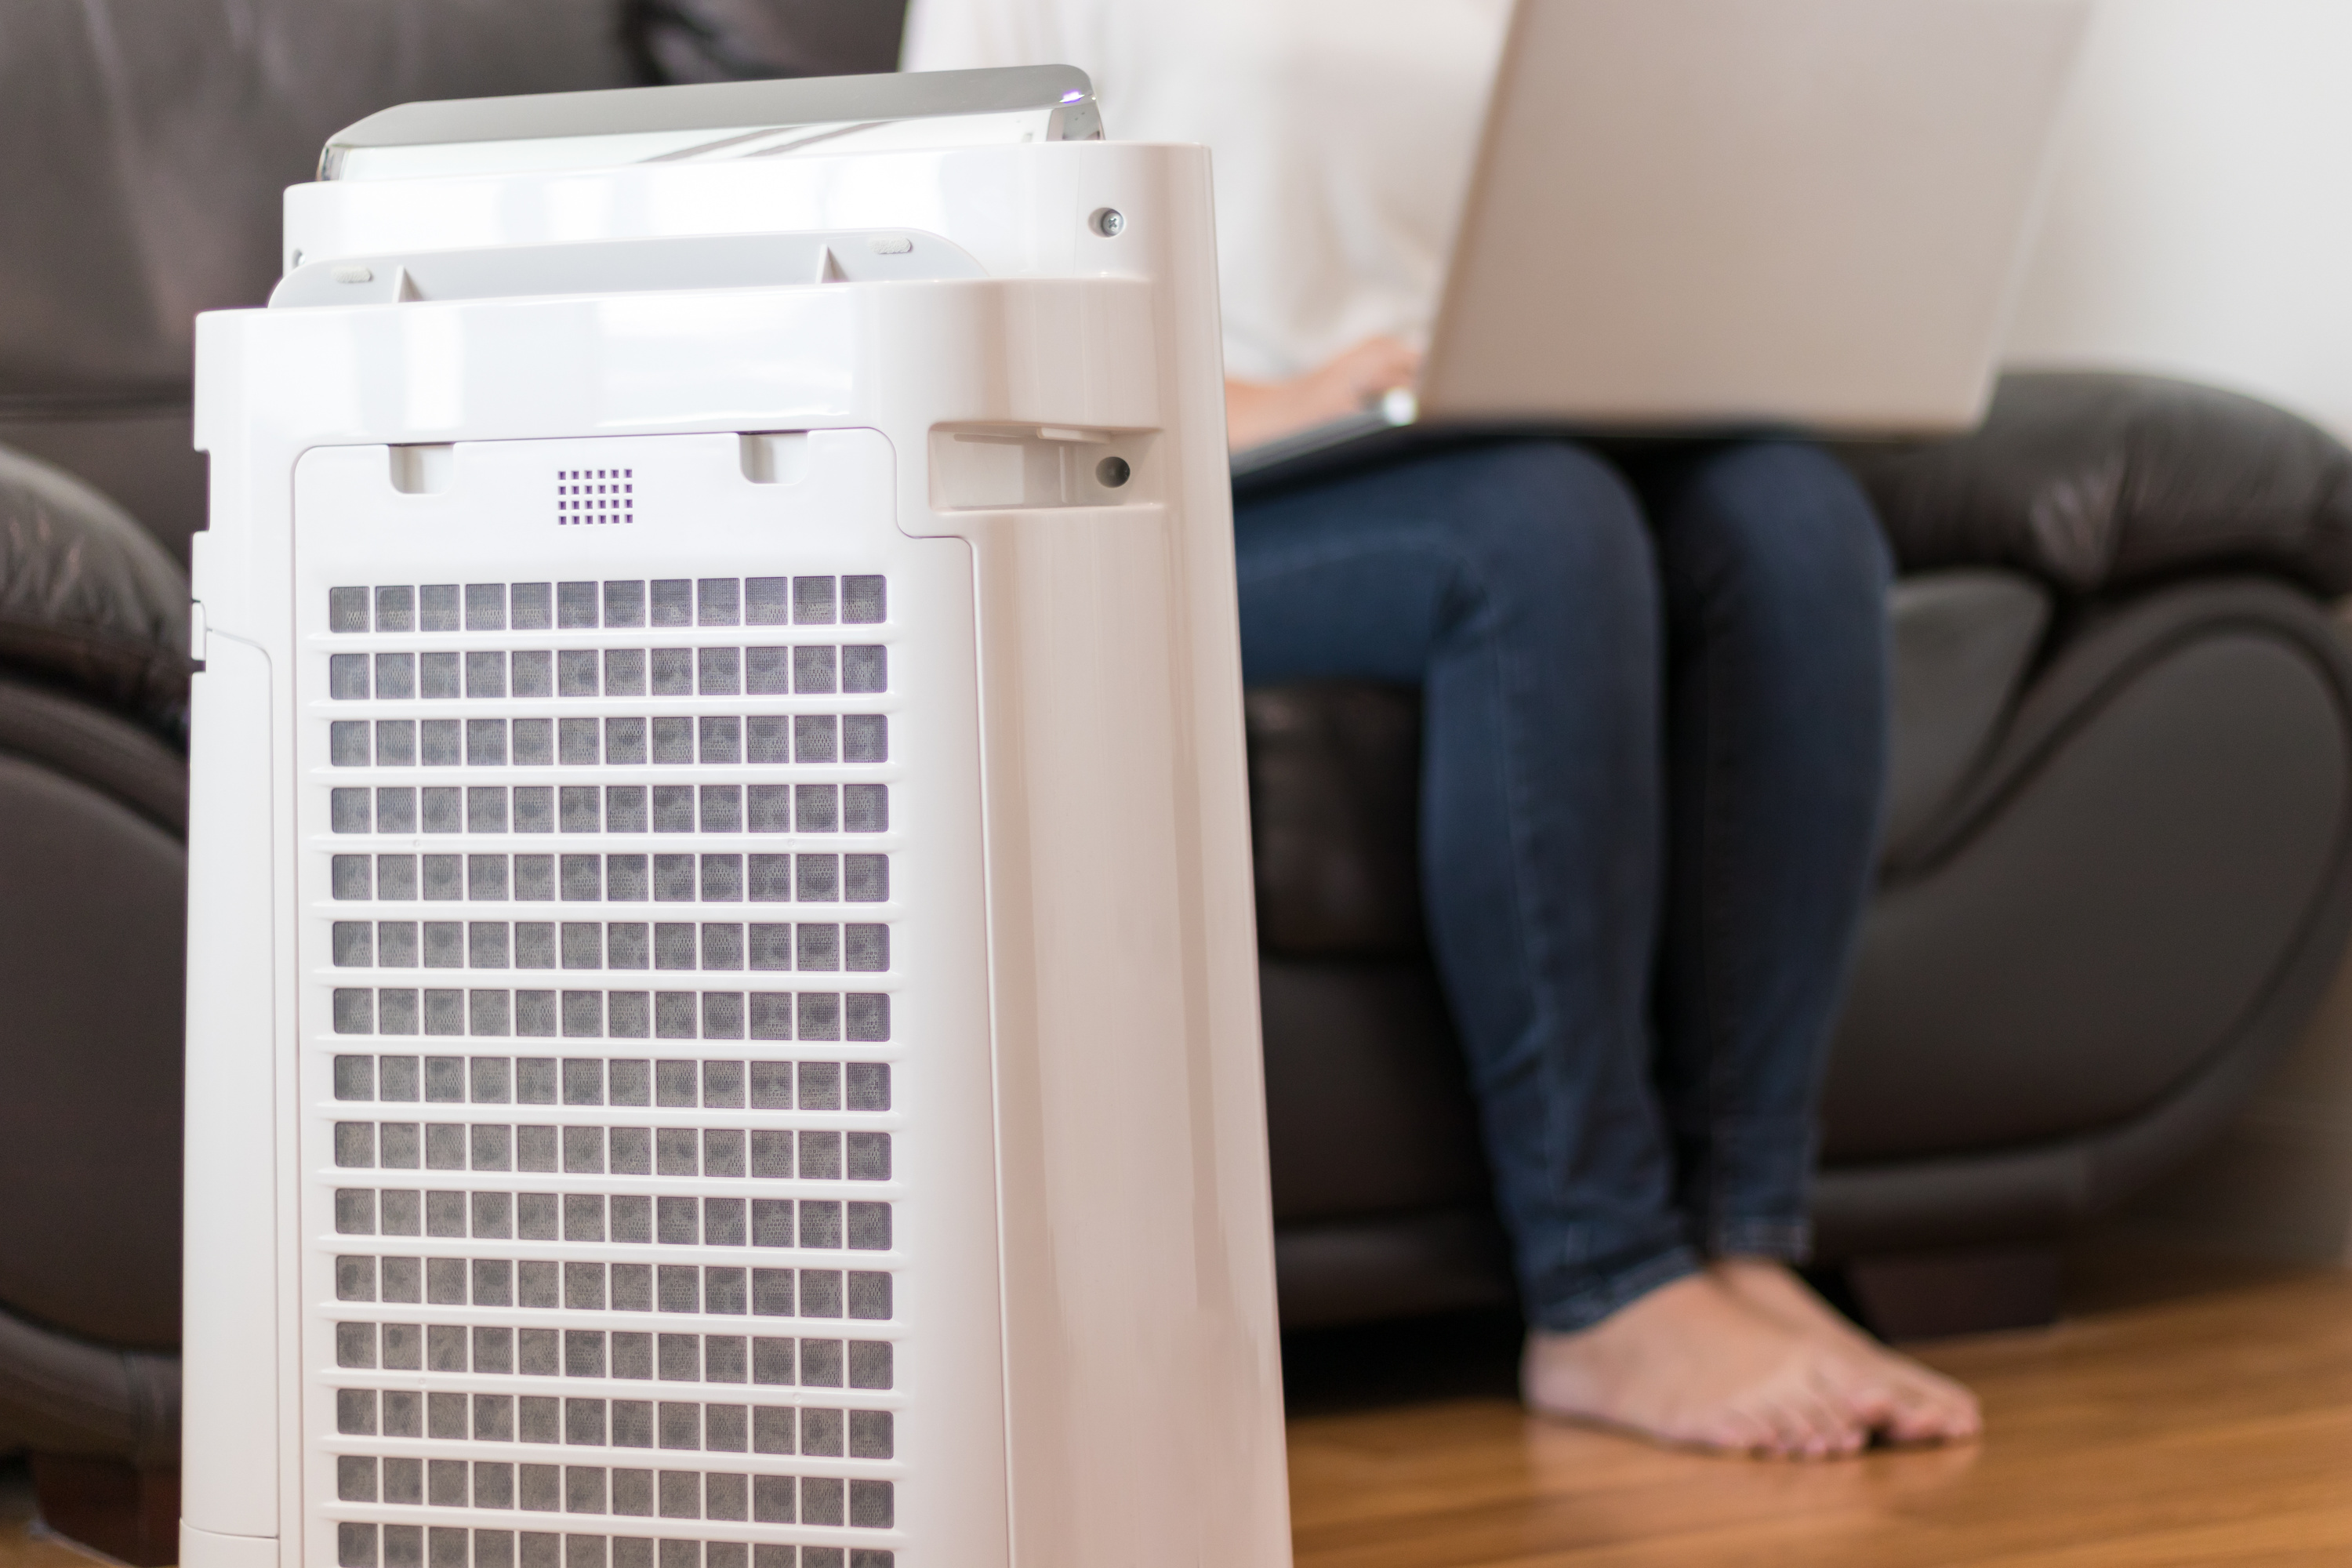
{"points": [[716, 120]]}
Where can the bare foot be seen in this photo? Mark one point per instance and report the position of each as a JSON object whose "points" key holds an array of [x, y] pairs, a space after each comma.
{"points": [[1892, 1392], [1692, 1363]]}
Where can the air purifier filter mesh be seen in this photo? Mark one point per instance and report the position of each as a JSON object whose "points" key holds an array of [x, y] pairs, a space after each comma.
{"points": [[608, 961]]}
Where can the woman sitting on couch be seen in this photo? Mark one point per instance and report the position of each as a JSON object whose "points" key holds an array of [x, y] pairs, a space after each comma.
{"points": [[1655, 708]]}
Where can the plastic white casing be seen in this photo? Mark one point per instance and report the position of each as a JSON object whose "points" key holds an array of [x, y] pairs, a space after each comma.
{"points": [[1089, 1364]]}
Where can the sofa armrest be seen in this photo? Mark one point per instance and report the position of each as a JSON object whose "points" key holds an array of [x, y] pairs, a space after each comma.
{"points": [[88, 601], [2094, 481]]}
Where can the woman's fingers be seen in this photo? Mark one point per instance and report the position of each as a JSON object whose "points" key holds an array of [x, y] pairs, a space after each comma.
{"points": [[1257, 411]]}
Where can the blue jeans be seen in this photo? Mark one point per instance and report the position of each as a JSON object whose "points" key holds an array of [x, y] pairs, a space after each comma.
{"points": [[1654, 750]]}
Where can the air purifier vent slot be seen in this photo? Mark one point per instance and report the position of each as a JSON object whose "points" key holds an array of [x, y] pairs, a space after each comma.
{"points": [[622, 603], [596, 495], [406, 1546]]}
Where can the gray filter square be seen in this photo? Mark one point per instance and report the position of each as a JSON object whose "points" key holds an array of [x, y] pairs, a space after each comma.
{"points": [[865, 738], [672, 603], [624, 604], [438, 676], [530, 607], [812, 601], [442, 878], [719, 741], [348, 811], [625, 672], [442, 810], [396, 743], [395, 811], [767, 671], [395, 609], [534, 673], [347, 677], [718, 602], [816, 738], [865, 667], [670, 672], [577, 742], [575, 672], [486, 606], [486, 674], [438, 744], [767, 601], [436, 607], [534, 809], [395, 677], [534, 742], [767, 738], [575, 606], [865, 600]]}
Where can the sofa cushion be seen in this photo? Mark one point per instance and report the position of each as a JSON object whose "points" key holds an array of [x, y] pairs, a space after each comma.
{"points": [[88, 600], [740, 40], [2094, 481], [1963, 643], [1335, 786], [148, 143]]}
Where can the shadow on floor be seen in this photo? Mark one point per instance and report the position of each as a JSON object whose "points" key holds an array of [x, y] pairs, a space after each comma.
{"points": [[1460, 1355], [1476, 1354]]}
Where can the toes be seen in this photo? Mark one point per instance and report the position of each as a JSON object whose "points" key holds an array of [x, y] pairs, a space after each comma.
{"points": [[1866, 1399], [1804, 1425], [1892, 1394], [1932, 1415], [1936, 1401], [1830, 1432]]}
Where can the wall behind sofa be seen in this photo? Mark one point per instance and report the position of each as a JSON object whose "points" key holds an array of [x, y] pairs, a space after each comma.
{"points": [[2200, 222]]}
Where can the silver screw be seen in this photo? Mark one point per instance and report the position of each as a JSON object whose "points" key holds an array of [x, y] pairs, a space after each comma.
{"points": [[1109, 221]]}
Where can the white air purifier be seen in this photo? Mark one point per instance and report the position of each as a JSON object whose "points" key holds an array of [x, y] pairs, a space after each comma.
{"points": [[722, 1027]]}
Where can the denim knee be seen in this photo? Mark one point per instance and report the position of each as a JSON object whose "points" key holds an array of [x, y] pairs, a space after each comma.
{"points": [[1784, 517], [1544, 524]]}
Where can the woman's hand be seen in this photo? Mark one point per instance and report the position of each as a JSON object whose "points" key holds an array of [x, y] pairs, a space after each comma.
{"points": [[1259, 411]]}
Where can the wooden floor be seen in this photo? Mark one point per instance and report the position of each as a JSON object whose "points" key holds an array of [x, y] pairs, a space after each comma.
{"points": [[2215, 1428], [20, 1547], [2211, 1428]]}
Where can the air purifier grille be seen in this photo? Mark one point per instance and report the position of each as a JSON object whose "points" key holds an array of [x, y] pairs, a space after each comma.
{"points": [[602, 1101]]}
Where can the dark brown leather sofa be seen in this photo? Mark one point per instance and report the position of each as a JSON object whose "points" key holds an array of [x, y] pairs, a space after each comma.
{"points": [[2114, 880]]}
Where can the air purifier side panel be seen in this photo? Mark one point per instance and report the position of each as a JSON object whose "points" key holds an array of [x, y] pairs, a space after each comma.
{"points": [[1142, 1367], [1142, 1355], [230, 1341]]}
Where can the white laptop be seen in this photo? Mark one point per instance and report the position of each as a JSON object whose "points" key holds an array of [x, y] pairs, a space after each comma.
{"points": [[1703, 216]]}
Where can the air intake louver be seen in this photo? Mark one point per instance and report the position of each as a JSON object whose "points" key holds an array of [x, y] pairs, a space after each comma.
{"points": [[605, 1102]]}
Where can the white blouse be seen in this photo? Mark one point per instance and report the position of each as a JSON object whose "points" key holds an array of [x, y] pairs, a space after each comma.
{"points": [[1342, 130]]}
